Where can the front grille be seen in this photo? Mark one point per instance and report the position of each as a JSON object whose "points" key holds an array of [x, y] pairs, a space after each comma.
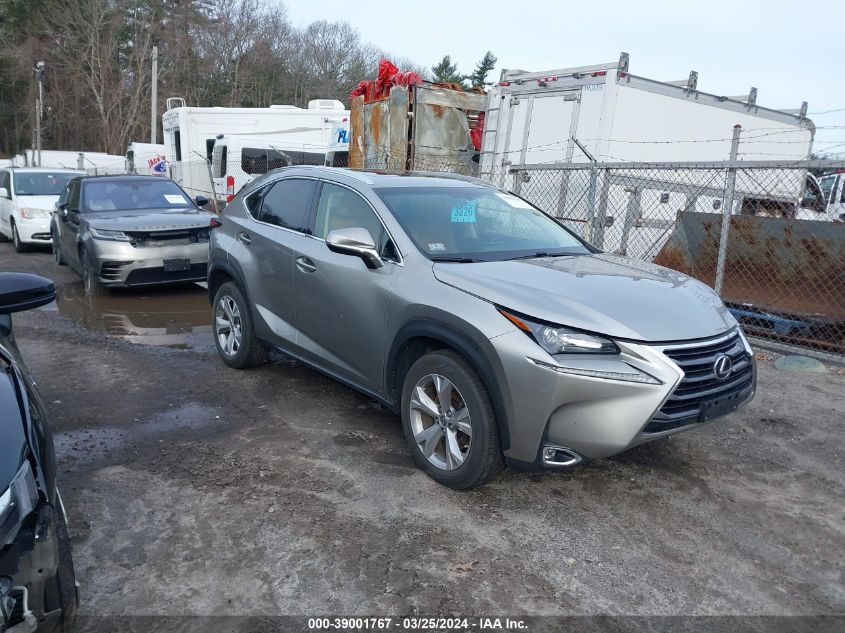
{"points": [[700, 384], [180, 237], [143, 276]]}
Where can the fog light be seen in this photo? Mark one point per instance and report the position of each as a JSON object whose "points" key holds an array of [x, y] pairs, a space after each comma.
{"points": [[560, 456]]}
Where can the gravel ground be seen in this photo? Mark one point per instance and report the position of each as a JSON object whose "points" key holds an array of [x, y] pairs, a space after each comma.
{"points": [[192, 488]]}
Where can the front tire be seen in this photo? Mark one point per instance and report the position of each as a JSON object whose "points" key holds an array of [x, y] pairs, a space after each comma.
{"points": [[57, 251], [60, 592], [234, 332], [449, 422], [93, 287], [20, 247]]}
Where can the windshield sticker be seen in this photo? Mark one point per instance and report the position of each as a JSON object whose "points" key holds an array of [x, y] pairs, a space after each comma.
{"points": [[464, 212], [175, 198], [512, 200], [437, 246]]}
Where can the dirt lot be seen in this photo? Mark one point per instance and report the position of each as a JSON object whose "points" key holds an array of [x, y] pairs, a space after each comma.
{"points": [[197, 489]]}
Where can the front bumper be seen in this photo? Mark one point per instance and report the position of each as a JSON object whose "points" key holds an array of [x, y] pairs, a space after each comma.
{"points": [[550, 404], [122, 265], [36, 231]]}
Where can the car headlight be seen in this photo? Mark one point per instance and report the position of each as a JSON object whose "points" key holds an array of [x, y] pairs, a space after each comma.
{"points": [[34, 214], [115, 236], [556, 339]]}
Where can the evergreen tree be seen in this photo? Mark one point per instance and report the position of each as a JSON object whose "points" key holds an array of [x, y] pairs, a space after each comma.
{"points": [[447, 72], [479, 75]]}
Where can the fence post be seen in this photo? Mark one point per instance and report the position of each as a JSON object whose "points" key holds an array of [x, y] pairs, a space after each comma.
{"points": [[591, 193], [730, 187]]}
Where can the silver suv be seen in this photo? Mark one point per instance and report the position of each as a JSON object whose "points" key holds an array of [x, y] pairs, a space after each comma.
{"points": [[499, 336]]}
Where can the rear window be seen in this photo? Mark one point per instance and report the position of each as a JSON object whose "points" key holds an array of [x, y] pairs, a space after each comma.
{"points": [[256, 160]]}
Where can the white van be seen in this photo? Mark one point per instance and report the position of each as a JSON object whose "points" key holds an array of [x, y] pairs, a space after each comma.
{"points": [[238, 159]]}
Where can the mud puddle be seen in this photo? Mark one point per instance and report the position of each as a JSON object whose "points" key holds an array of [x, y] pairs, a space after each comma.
{"points": [[178, 317], [92, 444]]}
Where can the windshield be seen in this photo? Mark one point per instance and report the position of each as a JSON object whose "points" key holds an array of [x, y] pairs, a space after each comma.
{"points": [[41, 183], [132, 194], [475, 223]]}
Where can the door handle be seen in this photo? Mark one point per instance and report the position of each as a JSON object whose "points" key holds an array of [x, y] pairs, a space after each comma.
{"points": [[305, 265], [245, 238]]}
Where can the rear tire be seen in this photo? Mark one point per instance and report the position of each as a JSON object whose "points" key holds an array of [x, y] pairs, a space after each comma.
{"points": [[465, 451], [234, 332], [20, 247], [93, 287]]}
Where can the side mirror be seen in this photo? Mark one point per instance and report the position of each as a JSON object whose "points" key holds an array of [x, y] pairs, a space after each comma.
{"points": [[24, 291], [201, 201], [64, 212], [357, 242], [4, 193]]}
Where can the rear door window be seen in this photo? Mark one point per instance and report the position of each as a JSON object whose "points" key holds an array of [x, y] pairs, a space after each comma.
{"points": [[287, 204]]}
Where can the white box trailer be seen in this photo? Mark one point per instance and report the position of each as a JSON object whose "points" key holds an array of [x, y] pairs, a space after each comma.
{"points": [[190, 133], [536, 118], [92, 162]]}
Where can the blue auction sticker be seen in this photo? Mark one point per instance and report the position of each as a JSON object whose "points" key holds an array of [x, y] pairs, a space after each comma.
{"points": [[464, 212]]}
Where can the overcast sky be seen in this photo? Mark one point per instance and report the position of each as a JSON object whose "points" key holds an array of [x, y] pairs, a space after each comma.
{"points": [[790, 52]]}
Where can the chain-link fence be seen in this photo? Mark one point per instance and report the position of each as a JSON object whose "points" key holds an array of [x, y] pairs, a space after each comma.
{"points": [[778, 263]]}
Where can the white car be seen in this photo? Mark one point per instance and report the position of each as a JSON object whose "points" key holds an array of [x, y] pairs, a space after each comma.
{"points": [[27, 199]]}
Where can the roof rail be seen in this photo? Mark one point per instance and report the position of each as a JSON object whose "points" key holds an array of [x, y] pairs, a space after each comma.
{"points": [[179, 100]]}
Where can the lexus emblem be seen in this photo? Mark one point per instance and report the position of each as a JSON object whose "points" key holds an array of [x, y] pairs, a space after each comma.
{"points": [[722, 367]]}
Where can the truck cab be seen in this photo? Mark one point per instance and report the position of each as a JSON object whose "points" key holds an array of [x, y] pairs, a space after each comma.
{"points": [[833, 189]]}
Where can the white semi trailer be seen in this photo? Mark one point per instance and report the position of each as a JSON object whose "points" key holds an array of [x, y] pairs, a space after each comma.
{"points": [[190, 133], [603, 113]]}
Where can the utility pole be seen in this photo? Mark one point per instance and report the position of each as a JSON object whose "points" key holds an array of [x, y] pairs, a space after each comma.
{"points": [[154, 99], [39, 108]]}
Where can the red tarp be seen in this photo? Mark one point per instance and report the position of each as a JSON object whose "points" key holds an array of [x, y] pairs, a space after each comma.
{"points": [[388, 76]]}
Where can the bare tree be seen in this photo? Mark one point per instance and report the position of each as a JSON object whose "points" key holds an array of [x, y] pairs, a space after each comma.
{"points": [[211, 52]]}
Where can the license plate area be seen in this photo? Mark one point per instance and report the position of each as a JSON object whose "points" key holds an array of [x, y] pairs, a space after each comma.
{"points": [[717, 407], [177, 264]]}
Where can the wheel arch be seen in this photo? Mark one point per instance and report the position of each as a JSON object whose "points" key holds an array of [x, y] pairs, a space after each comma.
{"points": [[417, 337], [222, 270]]}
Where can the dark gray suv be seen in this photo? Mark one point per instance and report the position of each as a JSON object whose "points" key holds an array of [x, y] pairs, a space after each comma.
{"points": [[497, 334]]}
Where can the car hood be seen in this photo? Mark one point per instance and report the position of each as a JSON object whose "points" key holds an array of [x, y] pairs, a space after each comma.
{"points": [[607, 294], [150, 219], [47, 203]]}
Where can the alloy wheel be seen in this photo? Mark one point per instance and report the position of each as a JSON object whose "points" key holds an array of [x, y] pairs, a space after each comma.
{"points": [[228, 327], [440, 422]]}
